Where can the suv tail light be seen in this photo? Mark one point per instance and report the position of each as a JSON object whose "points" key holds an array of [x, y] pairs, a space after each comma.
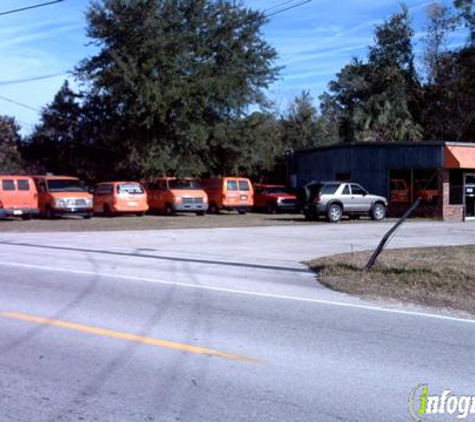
{"points": [[1, 204]]}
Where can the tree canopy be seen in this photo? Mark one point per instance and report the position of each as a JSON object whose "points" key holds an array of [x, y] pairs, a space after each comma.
{"points": [[10, 157], [171, 73]]}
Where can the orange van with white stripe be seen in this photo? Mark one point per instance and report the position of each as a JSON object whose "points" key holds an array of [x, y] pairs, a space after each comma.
{"points": [[18, 197]]}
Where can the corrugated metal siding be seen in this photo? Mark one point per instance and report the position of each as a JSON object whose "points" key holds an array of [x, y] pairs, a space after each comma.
{"points": [[368, 165]]}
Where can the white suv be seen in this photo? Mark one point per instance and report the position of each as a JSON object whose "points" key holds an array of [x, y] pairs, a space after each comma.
{"points": [[335, 199]]}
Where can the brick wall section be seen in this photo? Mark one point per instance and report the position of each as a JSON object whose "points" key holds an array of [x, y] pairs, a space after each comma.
{"points": [[449, 212]]}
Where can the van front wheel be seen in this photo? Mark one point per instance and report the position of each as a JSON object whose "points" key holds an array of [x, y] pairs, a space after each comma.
{"points": [[169, 209], [48, 213], [107, 210], [213, 208]]}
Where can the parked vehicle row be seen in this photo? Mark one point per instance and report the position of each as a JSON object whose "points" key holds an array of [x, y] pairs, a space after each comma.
{"points": [[56, 196]]}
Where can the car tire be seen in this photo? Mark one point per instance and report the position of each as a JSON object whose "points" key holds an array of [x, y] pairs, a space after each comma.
{"points": [[139, 214], [334, 213], [168, 209], [200, 213], [378, 212], [242, 212], [26, 217], [87, 216], [213, 208], [107, 210], [271, 208], [48, 213]]}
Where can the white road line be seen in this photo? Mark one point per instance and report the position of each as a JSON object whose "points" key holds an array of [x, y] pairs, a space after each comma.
{"points": [[241, 292]]}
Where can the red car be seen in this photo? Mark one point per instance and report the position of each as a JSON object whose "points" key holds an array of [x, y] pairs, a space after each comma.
{"points": [[274, 198]]}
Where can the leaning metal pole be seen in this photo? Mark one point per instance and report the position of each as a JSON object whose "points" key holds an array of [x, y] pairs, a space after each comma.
{"points": [[387, 236]]}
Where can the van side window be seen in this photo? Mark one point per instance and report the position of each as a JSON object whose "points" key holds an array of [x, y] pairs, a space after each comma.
{"points": [[243, 185], [23, 184], [8, 185], [232, 185], [104, 190]]}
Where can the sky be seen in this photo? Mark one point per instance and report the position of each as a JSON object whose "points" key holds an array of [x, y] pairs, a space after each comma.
{"points": [[40, 47]]}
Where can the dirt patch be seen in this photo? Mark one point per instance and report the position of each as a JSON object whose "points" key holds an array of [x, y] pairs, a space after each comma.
{"points": [[442, 277]]}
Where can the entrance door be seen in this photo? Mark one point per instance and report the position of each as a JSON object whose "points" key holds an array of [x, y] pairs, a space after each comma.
{"points": [[470, 196]]}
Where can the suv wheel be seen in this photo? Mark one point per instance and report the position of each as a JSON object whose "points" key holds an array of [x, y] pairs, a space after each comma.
{"points": [[378, 212], [334, 213]]}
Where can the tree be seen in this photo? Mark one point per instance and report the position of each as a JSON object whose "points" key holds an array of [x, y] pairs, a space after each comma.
{"points": [[248, 145], [10, 140], [171, 74], [379, 100], [53, 144], [303, 127], [393, 43], [449, 110], [440, 23], [467, 13]]}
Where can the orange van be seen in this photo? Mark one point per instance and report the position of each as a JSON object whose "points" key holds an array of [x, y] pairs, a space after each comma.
{"points": [[229, 193], [18, 197], [119, 198], [63, 195], [170, 194]]}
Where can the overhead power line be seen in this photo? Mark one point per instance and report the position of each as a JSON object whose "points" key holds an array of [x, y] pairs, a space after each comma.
{"points": [[34, 6], [284, 7], [32, 79], [9, 100]]}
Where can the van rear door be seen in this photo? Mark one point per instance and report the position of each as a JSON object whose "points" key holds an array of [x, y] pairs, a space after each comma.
{"points": [[8, 193], [245, 192], [26, 193]]}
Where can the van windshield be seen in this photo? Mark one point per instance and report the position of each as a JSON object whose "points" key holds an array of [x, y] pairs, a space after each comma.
{"points": [[184, 184], [66, 185]]}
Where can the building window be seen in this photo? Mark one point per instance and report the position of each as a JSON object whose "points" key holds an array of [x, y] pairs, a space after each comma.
{"points": [[408, 185]]}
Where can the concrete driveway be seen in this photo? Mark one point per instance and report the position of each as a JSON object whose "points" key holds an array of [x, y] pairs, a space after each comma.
{"points": [[214, 325]]}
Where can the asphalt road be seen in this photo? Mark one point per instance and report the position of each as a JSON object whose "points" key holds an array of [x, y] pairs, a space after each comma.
{"points": [[215, 325]]}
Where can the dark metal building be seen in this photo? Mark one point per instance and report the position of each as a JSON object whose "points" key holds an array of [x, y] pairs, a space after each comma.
{"points": [[442, 173]]}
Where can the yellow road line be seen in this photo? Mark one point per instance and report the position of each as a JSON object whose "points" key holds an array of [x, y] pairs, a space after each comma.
{"points": [[125, 336]]}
